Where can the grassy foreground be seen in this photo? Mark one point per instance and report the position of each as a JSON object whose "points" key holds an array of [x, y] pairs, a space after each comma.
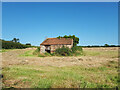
{"points": [[107, 54], [6, 50], [55, 77], [28, 53], [35, 76]]}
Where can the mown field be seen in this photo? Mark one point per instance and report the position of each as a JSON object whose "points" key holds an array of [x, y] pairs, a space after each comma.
{"points": [[96, 68]]}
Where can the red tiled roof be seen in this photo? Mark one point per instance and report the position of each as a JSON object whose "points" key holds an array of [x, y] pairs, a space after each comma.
{"points": [[56, 41]]}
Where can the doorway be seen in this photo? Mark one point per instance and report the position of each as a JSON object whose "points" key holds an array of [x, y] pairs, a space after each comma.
{"points": [[47, 48]]}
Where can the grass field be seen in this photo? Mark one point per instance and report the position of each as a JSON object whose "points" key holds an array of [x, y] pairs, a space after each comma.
{"points": [[70, 75], [28, 53], [6, 50]]}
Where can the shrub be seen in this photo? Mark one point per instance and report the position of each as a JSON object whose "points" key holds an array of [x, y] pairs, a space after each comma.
{"points": [[52, 54], [76, 48], [64, 51]]}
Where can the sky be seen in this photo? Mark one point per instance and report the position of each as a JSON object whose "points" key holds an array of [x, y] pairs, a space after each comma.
{"points": [[95, 23]]}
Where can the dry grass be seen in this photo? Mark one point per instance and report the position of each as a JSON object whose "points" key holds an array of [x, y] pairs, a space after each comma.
{"points": [[98, 68]]}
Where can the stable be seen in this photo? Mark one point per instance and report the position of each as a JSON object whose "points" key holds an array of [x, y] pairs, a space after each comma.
{"points": [[51, 44]]}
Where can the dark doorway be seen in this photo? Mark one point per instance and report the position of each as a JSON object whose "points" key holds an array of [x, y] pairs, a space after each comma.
{"points": [[47, 48], [48, 51]]}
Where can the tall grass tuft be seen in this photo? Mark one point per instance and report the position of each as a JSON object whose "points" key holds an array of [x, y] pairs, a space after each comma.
{"points": [[37, 51]]}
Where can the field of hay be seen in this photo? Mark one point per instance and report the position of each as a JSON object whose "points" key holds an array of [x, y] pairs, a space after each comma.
{"points": [[96, 68]]}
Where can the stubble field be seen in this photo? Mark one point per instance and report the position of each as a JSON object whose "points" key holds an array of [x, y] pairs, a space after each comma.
{"points": [[96, 68]]}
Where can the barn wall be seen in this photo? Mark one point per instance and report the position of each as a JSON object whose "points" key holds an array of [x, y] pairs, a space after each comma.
{"points": [[42, 49], [54, 47]]}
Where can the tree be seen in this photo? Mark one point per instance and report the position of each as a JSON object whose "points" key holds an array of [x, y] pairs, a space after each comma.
{"points": [[75, 39], [15, 40], [28, 44], [106, 45], [18, 40], [59, 37]]}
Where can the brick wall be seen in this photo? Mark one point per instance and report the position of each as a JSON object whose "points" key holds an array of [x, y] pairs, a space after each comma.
{"points": [[54, 47], [42, 49]]}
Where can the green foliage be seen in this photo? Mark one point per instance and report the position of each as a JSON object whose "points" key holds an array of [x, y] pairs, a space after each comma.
{"points": [[44, 54], [27, 54], [75, 39], [28, 44], [52, 54], [12, 45], [37, 51], [47, 76], [47, 54], [106, 45], [6, 50], [76, 48], [64, 51], [41, 55], [15, 40]]}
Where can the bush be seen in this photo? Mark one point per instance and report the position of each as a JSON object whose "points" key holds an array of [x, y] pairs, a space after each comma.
{"points": [[64, 51], [76, 48]]}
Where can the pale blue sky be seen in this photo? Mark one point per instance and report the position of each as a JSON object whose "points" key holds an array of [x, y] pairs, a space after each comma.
{"points": [[94, 23]]}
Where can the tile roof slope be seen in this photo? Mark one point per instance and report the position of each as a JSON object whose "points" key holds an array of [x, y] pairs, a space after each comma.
{"points": [[56, 41]]}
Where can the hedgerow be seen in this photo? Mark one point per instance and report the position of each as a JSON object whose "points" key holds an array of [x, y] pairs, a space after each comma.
{"points": [[12, 45]]}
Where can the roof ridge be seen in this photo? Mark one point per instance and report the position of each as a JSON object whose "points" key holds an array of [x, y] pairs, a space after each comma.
{"points": [[58, 38], [55, 41], [50, 38]]}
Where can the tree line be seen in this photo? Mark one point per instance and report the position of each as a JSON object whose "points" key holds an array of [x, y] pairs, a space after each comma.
{"points": [[106, 45], [14, 44]]}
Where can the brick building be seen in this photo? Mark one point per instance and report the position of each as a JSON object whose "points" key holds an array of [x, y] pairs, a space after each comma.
{"points": [[51, 44]]}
